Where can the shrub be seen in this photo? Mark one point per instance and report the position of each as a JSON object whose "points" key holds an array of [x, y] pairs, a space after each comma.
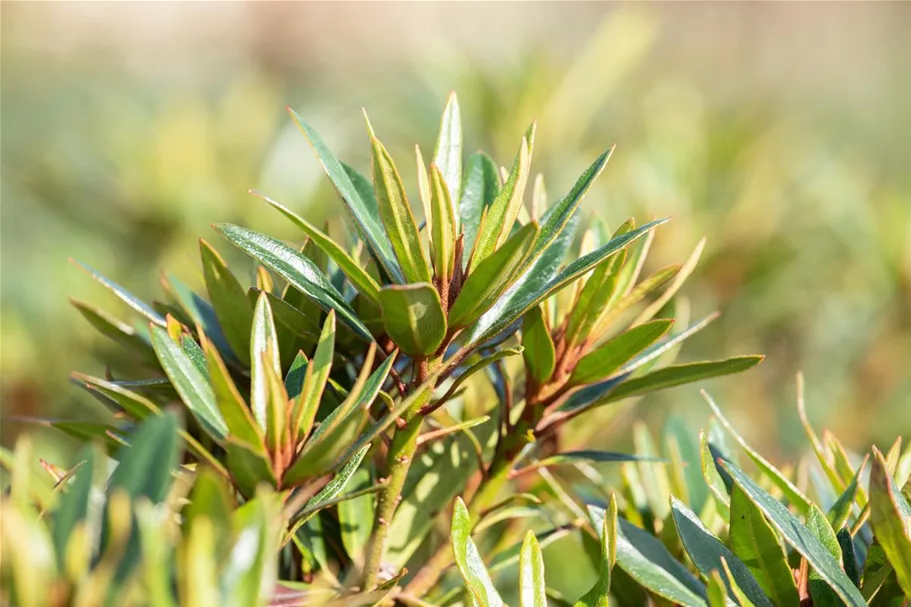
{"points": [[366, 382]]}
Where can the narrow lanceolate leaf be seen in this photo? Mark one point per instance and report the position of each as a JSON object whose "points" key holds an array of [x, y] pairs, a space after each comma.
{"points": [[557, 217], [637, 293], [469, 560], [529, 292], [334, 487], [599, 593], [359, 202], [124, 295], [362, 281], [442, 226], [191, 385], [490, 278], [843, 507], [716, 590], [593, 299], [794, 495], [299, 271], [413, 317], [229, 301], [606, 359], [819, 526], [478, 192], [680, 278], [891, 520], [263, 353], [643, 557], [755, 543], [707, 551], [799, 537], [317, 374], [448, 152], [497, 223], [397, 217], [355, 516], [540, 354], [532, 589], [234, 410], [590, 456]]}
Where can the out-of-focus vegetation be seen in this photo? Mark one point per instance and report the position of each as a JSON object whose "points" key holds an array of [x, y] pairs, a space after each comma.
{"points": [[779, 132]]}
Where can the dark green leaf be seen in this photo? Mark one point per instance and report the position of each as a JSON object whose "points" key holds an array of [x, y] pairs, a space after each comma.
{"points": [[192, 386], [607, 358], [707, 551], [229, 301], [798, 536], [297, 270], [539, 354], [124, 295]]}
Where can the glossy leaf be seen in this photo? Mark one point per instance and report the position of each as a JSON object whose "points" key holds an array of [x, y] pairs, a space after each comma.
{"points": [[479, 189], [646, 560], [755, 543], [263, 354], [360, 203], [843, 507], [397, 217], [707, 551], [447, 154], [891, 520], [532, 588], [799, 537], [315, 378], [607, 358], [124, 295], [361, 280], [539, 354], [355, 516], [443, 225], [297, 270], [491, 277], [194, 389], [413, 317], [469, 560]]}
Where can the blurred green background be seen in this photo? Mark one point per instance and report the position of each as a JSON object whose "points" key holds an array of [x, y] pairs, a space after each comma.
{"points": [[779, 131]]}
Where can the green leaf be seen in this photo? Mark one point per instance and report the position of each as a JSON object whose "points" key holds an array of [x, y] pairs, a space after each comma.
{"points": [[568, 458], [355, 516], [307, 404], [229, 300], [799, 537], [539, 354], [755, 543], [413, 317], [124, 334], [474, 368], [891, 520], [469, 560], [73, 507], [124, 295], [448, 152], [263, 353], [819, 526], [144, 471], [538, 282], [478, 191], [497, 221], [234, 410], [558, 216], [299, 271], [607, 358], [532, 589], [599, 593], [191, 385], [679, 278], [491, 277], [398, 220], [594, 298], [794, 495], [843, 507], [741, 597], [646, 560], [676, 375], [636, 294], [359, 200], [443, 226], [361, 280], [706, 551], [716, 591]]}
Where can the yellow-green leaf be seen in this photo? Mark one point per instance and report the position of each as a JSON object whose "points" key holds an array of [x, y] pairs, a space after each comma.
{"points": [[413, 317]]}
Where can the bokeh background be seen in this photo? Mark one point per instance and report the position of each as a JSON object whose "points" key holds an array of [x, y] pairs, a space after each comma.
{"points": [[778, 131]]}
